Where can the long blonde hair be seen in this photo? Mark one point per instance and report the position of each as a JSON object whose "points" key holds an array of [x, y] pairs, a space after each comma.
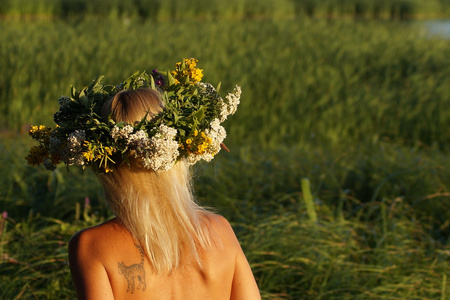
{"points": [[157, 208]]}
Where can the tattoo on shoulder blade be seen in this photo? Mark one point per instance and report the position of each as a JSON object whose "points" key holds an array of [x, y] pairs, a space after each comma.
{"points": [[135, 271]]}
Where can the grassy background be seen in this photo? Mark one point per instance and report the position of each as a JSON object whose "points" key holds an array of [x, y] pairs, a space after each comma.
{"points": [[163, 10], [357, 107], [364, 81]]}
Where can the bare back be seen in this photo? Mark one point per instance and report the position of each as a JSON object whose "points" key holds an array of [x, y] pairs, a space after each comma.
{"points": [[107, 263]]}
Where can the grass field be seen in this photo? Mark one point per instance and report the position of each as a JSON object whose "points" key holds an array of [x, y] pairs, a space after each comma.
{"points": [[337, 182], [163, 10]]}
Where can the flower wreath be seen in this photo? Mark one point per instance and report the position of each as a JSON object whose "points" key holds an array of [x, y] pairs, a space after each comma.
{"points": [[188, 127]]}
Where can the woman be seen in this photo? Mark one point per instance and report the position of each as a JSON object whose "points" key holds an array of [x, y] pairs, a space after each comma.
{"points": [[140, 137], [161, 245]]}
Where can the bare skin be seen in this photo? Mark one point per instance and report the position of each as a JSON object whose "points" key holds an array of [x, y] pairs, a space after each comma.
{"points": [[106, 263]]}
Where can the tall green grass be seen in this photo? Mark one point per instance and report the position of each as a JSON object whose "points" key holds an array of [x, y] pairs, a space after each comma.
{"points": [[230, 10], [337, 183], [303, 81], [370, 223]]}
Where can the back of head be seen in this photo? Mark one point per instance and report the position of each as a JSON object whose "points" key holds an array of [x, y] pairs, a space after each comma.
{"points": [[132, 106], [157, 208]]}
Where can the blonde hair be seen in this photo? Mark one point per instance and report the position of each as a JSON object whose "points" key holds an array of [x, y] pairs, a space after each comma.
{"points": [[157, 208]]}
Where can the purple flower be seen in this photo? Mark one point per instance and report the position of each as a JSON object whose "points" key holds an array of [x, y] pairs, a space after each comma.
{"points": [[4, 214], [158, 77]]}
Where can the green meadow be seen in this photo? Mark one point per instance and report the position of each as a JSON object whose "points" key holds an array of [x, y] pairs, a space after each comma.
{"points": [[338, 179]]}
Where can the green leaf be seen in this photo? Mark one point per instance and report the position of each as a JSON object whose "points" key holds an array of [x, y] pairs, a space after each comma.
{"points": [[96, 85], [200, 114], [152, 82], [73, 92], [142, 122], [175, 117], [170, 78]]}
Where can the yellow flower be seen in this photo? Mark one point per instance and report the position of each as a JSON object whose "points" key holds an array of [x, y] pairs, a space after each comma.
{"points": [[109, 150], [88, 155], [188, 141], [191, 63], [201, 149], [196, 75], [40, 132], [189, 70]]}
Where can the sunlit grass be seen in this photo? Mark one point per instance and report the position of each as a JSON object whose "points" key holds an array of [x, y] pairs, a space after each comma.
{"points": [[371, 237], [337, 179], [332, 82]]}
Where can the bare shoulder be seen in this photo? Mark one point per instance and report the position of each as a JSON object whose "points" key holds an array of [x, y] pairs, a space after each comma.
{"points": [[222, 228], [86, 261], [243, 284], [220, 223], [92, 238]]}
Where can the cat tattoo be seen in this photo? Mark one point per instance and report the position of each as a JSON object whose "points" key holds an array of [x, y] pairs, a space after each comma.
{"points": [[135, 271]]}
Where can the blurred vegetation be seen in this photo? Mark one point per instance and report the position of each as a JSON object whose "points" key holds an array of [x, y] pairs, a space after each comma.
{"points": [[364, 81], [352, 107], [162, 10]]}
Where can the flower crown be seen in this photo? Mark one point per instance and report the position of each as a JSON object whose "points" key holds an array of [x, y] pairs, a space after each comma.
{"points": [[188, 127]]}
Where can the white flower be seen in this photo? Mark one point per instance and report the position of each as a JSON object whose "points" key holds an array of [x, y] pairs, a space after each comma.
{"points": [[138, 140], [192, 158], [76, 138], [229, 106], [72, 154], [167, 132], [217, 134], [208, 88], [163, 151], [121, 133]]}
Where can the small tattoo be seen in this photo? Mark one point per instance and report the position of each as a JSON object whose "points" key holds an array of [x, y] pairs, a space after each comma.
{"points": [[134, 271]]}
